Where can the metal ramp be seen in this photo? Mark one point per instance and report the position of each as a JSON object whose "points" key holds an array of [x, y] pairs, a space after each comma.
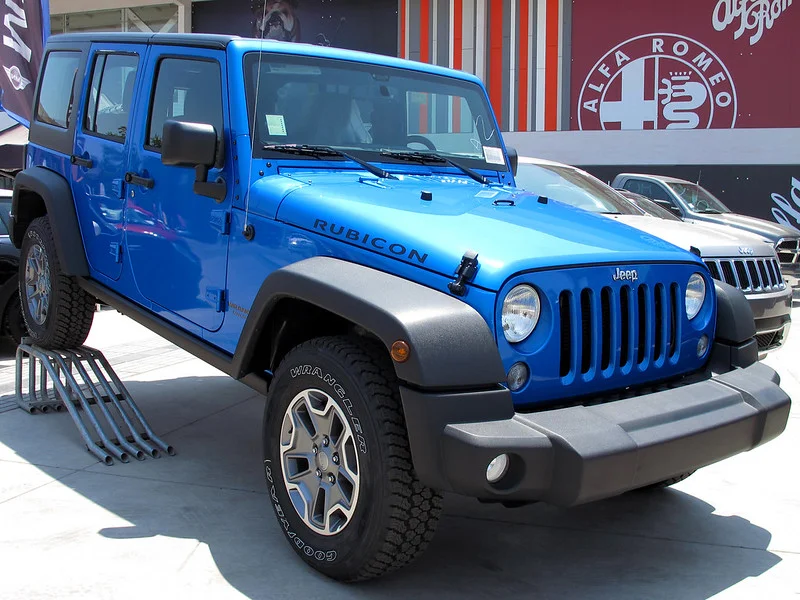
{"points": [[82, 381]]}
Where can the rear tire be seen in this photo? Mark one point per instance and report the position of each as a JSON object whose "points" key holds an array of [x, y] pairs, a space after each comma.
{"points": [[14, 321], [338, 463], [57, 312]]}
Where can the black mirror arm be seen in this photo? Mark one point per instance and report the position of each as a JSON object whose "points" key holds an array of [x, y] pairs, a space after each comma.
{"points": [[210, 189]]}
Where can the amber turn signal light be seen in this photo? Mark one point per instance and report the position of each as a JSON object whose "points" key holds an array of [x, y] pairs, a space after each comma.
{"points": [[400, 351]]}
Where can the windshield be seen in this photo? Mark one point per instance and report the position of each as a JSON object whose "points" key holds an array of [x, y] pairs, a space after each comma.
{"points": [[572, 186], [368, 108], [698, 198], [649, 207]]}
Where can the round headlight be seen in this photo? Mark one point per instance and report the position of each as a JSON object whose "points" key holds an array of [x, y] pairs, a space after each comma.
{"points": [[521, 310], [695, 295]]}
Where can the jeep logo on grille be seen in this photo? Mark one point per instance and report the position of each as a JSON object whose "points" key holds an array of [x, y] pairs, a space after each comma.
{"points": [[746, 251], [623, 275]]}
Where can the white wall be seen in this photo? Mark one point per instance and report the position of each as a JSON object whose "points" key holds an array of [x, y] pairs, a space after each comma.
{"points": [[665, 147]]}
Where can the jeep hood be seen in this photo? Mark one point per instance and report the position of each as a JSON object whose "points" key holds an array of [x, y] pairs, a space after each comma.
{"points": [[511, 230], [713, 241], [767, 229]]}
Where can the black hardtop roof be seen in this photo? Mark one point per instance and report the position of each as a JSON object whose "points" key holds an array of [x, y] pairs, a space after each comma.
{"points": [[194, 40]]}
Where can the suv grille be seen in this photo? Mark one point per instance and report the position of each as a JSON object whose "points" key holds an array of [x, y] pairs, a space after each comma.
{"points": [[789, 251], [601, 334], [749, 275]]}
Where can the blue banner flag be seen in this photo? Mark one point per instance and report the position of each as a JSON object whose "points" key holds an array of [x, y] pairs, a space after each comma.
{"points": [[26, 25]]}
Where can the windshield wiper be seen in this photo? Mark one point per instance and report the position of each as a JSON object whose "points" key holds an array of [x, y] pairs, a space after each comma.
{"points": [[710, 211], [320, 151], [426, 157]]}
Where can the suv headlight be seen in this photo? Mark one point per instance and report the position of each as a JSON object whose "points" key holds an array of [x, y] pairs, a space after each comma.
{"points": [[521, 310], [695, 295]]}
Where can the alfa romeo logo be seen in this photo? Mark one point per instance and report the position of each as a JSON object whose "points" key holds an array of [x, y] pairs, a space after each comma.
{"points": [[658, 81]]}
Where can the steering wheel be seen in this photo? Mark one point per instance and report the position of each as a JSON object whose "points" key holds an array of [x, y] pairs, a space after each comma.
{"points": [[420, 139], [701, 205]]}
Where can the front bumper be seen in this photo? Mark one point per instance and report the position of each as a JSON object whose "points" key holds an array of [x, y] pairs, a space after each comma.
{"points": [[773, 318], [572, 455]]}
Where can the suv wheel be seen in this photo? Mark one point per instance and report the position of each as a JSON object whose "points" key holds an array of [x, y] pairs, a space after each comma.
{"points": [[57, 312], [338, 463]]}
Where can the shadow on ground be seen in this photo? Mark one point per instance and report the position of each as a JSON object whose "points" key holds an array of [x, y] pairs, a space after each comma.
{"points": [[663, 544]]}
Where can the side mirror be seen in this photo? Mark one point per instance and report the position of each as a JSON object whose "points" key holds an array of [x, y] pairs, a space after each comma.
{"points": [[513, 159], [194, 145]]}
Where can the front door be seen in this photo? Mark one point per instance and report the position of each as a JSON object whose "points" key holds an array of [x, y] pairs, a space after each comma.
{"points": [[100, 155], [178, 240]]}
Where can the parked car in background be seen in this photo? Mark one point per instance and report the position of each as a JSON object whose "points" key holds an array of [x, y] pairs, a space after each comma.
{"points": [[738, 258], [694, 203], [11, 321]]}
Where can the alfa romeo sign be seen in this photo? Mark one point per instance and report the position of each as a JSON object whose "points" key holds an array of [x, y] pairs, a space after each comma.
{"points": [[658, 81]]}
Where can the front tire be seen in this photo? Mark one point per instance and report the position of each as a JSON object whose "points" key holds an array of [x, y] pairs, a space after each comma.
{"points": [[338, 463], [57, 311]]}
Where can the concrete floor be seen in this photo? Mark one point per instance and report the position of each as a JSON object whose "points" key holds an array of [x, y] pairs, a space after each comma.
{"points": [[199, 524]]}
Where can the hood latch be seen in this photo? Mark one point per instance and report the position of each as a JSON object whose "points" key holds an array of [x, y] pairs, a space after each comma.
{"points": [[465, 272]]}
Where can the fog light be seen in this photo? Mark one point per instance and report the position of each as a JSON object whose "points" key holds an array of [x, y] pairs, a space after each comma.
{"points": [[517, 376], [702, 345], [497, 468]]}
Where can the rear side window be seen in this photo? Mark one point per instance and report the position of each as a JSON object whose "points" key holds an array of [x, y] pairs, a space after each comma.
{"points": [[55, 94], [186, 90], [111, 95]]}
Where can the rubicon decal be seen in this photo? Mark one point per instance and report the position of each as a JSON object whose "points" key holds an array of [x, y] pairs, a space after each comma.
{"points": [[658, 81], [371, 241]]}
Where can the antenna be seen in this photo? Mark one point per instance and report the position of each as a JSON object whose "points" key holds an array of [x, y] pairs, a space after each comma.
{"points": [[248, 231], [699, 175]]}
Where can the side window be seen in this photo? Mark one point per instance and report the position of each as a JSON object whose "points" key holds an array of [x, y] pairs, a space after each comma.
{"points": [[186, 90], [649, 189], [111, 95], [55, 93]]}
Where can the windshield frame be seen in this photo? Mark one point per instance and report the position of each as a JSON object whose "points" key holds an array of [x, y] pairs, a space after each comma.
{"points": [[715, 204], [373, 154]]}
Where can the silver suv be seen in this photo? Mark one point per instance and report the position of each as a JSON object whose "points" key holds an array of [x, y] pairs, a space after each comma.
{"points": [[692, 203]]}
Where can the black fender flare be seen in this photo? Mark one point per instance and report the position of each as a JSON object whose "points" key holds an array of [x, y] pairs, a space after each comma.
{"points": [[451, 344], [735, 321], [57, 196]]}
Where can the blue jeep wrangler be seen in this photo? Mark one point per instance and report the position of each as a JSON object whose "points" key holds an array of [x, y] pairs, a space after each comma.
{"points": [[340, 231]]}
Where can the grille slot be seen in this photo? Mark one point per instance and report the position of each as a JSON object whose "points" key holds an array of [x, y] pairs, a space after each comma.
{"points": [[566, 332], [789, 251], [727, 273], [625, 325], [599, 332], [605, 310], [749, 275]]}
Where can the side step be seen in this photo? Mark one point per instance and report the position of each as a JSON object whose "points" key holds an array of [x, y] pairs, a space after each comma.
{"points": [[78, 380]]}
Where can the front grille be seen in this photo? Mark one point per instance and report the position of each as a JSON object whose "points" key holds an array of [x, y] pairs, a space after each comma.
{"points": [[789, 251], [748, 274], [769, 340], [617, 329]]}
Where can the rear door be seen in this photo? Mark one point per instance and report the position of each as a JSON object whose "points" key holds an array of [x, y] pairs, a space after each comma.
{"points": [[101, 150], [178, 240]]}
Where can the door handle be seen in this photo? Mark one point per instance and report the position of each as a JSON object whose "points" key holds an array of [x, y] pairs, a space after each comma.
{"points": [[81, 162], [135, 179]]}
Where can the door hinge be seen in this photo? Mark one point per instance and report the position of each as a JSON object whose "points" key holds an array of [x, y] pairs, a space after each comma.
{"points": [[465, 272], [116, 252], [217, 298], [221, 221]]}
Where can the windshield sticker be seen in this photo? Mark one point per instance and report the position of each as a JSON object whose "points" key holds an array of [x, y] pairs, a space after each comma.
{"points": [[276, 125], [285, 69], [493, 156], [486, 194]]}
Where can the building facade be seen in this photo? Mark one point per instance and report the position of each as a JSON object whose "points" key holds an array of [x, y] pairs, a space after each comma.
{"points": [[700, 89]]}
